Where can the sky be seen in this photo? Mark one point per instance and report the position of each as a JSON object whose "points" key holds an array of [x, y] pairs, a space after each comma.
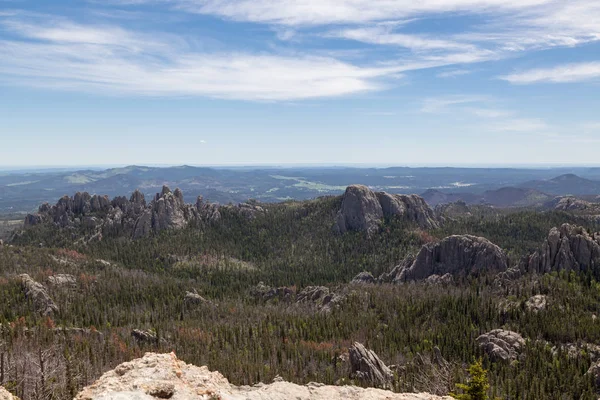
{"points": [[245, 82]]}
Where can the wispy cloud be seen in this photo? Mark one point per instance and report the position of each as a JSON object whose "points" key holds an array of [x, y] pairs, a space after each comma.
{"points": [[442, 104], [453, 73], [527, 125], [61, 54], [320, 12], [560, 74]]}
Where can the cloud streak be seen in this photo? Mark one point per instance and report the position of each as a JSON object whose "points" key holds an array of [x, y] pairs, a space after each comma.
{"points": [[576, 72]]}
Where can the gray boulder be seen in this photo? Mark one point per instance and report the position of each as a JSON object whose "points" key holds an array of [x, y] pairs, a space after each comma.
{"points": [[367, 367], [38, 295], [536, 303], [501, 345], [363, 278]]}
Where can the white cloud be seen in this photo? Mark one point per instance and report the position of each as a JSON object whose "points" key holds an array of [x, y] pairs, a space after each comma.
{"points": [[576, 72], [453, 73], [383, 35], [321, 12], [114, 60]]}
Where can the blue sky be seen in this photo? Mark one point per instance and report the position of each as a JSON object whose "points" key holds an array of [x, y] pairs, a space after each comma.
{"points": [[398, 82]]}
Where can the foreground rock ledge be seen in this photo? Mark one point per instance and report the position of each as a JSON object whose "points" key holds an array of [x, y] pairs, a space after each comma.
{"points": [[164, 376]]}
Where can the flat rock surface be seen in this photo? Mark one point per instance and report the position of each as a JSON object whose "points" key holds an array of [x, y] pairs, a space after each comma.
{"points": [[164, 376]]}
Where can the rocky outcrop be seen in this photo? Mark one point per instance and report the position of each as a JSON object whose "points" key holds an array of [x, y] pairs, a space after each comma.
{"points": [[569, 248], [6, 395], [409, 207], [536, 303], [62, 280], [321, 297], [570, 204], [193, 298], [360, 211], [455, 255], [165, 376], [267, 293], [368, 368], [445, 279], [37, 294], [363, 210], [501, 345], [578, 350], [363, 278], [144, 336], [97, 215]]}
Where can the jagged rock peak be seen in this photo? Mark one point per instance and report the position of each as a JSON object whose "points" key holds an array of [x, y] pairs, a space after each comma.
{"points": [[133, 216], [457, 255], [569, 248], [363, 210], [367, 367], [165, 376]]}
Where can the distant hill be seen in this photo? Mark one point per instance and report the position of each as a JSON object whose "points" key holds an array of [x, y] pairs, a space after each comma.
{"points": [[564, 185], [515, 197], [25, 190], [503, 197]]}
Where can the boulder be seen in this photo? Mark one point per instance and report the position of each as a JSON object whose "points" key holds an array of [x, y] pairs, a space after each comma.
{"points": [[193, 298], [536, 303], [445, 279], [594, 371], [501, 345], [62, 280], [165, 376], [6, 395], [368, 368], [144, 336], [568, 248], [37, 294], [455, 255], [363, 278]]}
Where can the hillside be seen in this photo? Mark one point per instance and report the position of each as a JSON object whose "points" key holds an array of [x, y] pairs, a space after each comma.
{"points": [[565, 184], [258, 295]]}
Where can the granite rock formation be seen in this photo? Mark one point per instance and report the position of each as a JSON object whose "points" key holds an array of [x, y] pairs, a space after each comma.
{"points": [[363, 210], [367, 367], [37, 294], [501, 345], [98, 215], [569, 248], [458, 255], [164, 376]]}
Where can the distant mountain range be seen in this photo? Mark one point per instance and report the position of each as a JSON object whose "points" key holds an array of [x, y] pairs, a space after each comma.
{"points": [[23, 191]]}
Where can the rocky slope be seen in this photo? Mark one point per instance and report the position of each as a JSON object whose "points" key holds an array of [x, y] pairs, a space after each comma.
{"points": [[363, 210], [569, 248], [457, 255], [163, 376], [134, 216]]}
